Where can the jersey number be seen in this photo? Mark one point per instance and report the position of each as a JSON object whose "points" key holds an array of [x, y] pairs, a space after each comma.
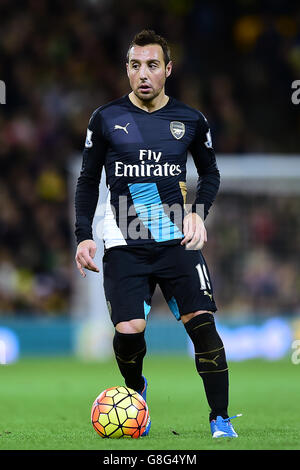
{"points": [[203, 276]]}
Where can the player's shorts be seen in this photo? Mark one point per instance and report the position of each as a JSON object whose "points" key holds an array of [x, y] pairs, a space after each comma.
{"points": [[132, 273]]}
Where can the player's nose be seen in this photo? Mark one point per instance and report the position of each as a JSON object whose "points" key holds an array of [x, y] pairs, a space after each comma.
{"points": [[143, 72]]}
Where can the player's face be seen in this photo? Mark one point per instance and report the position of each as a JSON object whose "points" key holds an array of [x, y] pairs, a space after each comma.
{"points": [[147, 71]]}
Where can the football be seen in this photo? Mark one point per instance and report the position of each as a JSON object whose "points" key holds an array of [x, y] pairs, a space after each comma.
{"points": [[119, 412]]}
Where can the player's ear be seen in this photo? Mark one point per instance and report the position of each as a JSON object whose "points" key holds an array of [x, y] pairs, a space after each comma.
{"points": [[127, 69], [169, 68]]}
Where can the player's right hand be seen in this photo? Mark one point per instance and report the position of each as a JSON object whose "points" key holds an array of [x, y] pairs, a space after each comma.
{"points": [[85, 253]]}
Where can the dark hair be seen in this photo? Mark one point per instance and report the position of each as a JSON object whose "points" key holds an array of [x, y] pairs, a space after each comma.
{"points": [[147, 36]]}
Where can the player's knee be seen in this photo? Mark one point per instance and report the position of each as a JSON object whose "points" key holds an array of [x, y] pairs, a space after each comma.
{"points": [[188, 316], [129, 347], [137, 325]]}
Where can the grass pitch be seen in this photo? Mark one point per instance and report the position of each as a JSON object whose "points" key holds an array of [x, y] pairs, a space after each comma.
{"points": [[45, 405]]}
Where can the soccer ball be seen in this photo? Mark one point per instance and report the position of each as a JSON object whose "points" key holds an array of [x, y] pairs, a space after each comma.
{"points": [[119, 412]]}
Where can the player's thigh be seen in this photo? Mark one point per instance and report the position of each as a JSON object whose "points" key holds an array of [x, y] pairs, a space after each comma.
{"points": [[128, 287], [185, 282]]}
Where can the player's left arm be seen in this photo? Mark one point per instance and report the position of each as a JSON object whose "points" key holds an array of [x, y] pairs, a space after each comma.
{"points": [[208, 184], [87, 193]]}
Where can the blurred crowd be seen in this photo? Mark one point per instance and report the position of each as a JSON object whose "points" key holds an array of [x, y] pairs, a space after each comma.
{"points": [[253, 252], [235, 61], [253, 256]]}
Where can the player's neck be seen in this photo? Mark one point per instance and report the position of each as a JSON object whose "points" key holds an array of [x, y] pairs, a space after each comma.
{"points": [[153, 105]]}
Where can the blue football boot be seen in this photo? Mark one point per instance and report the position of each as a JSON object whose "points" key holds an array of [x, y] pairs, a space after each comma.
{"points": [[144, 395], [222, 427]]}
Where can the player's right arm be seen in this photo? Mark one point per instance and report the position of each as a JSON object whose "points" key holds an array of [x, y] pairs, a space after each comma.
{"points": [[87, 193]]}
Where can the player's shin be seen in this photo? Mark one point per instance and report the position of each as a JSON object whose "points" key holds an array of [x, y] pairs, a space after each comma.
{"points": [[130, 350], [210, 360]]}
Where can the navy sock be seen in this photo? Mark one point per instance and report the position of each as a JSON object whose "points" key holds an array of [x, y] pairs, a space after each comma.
{"points": [[130, 349], [210, 361]]}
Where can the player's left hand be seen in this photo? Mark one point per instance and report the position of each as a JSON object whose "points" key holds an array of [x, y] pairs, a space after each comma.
{"points": [[194, 232]]}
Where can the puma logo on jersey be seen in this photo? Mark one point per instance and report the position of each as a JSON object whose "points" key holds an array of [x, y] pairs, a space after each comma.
{"points": [[124, 128]]}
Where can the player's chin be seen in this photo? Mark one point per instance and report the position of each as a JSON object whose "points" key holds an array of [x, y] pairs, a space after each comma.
{"points": [[146, 95]]}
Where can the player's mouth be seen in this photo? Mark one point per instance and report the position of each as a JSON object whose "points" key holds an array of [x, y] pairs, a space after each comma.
{"points": [[145, 88]]}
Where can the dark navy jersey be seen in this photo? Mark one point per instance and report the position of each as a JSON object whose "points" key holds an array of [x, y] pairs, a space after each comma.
{"points": [[144, 155]]}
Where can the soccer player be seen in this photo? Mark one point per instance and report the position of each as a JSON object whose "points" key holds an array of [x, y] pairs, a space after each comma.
{"points": [[142, 140]]}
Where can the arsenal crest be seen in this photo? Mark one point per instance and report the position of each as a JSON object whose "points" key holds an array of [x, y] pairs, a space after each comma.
{"points": [[177, 129]]}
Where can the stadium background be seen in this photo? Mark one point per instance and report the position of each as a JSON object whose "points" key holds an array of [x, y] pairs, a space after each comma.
{"points": [[235, 61]]}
